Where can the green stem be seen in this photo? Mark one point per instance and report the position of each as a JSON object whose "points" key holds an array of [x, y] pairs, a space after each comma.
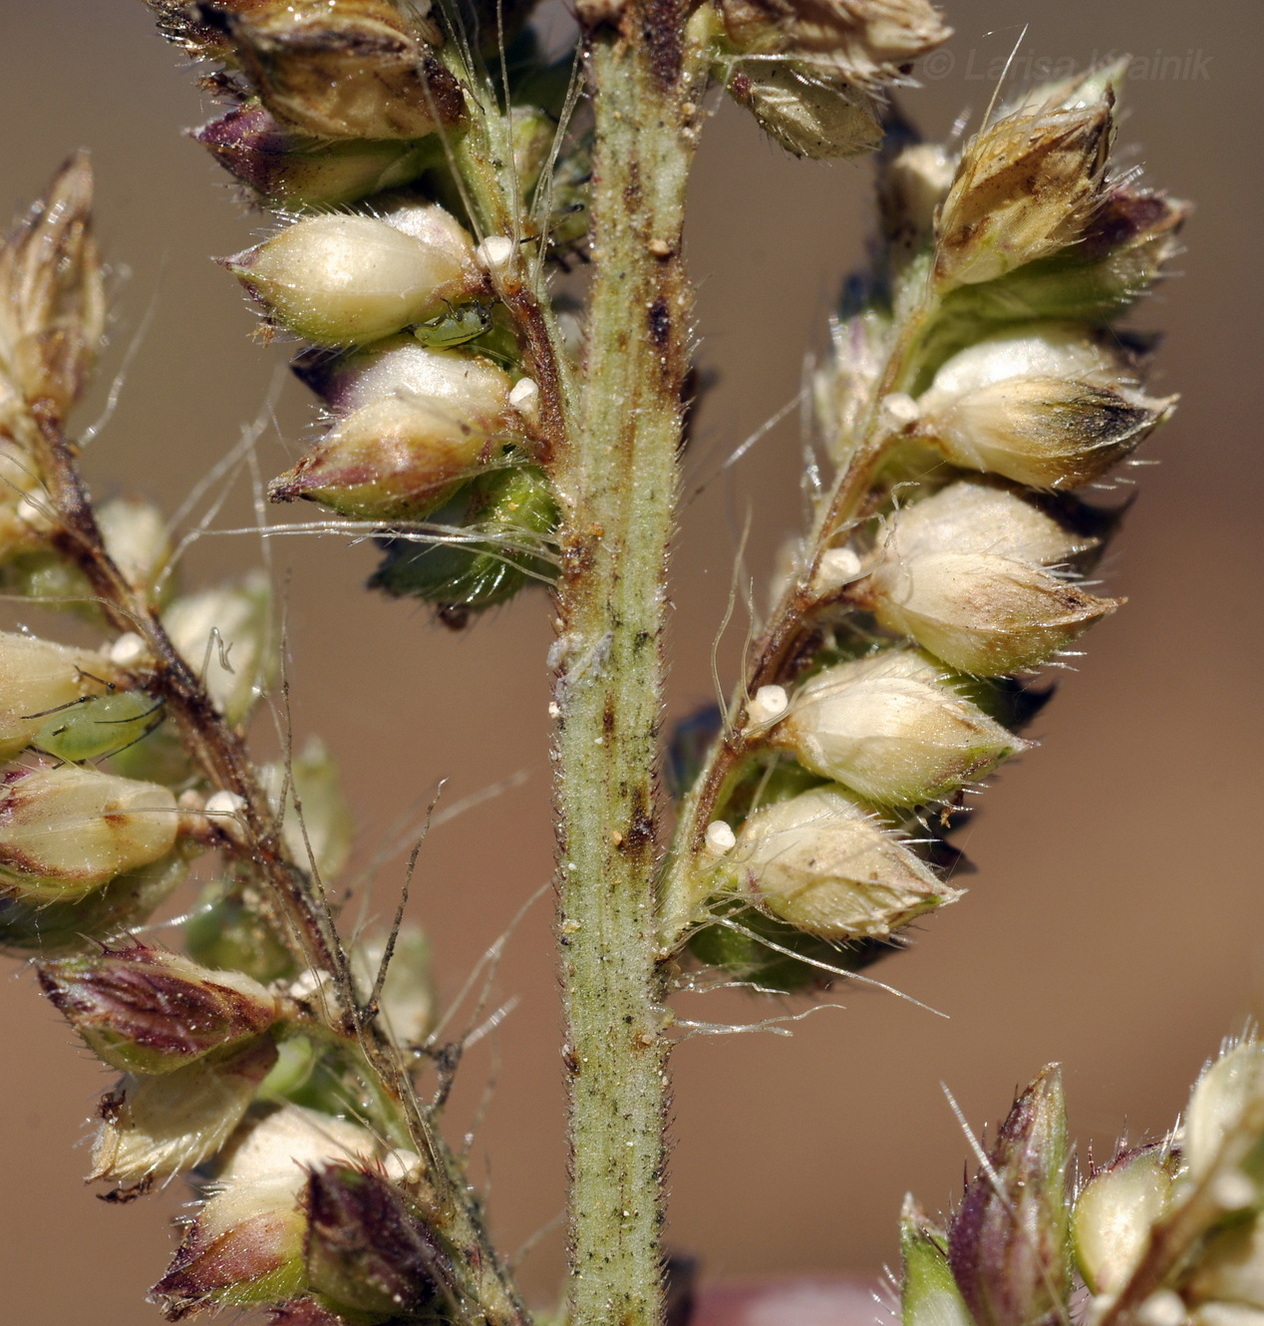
{"points": [[618, 482]]}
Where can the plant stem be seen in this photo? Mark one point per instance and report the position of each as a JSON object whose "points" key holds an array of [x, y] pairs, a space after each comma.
{"points": [[618, 481]]}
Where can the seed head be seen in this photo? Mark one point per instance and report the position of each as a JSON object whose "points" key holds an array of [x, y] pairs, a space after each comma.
{"points": [[67, 831], [911, 186], [826, 865], [246, 1243], [807, 115], [291, 170], [152, 1127], [40, 677], [353, 69], [322, 837], [368, 1246], [52, 299], [1008, 1241], [1051, 407], [1113, 1215], [47, 929], [962, 573], [147, 1010], [1027, 187], [406, 1001], [344, 280], [892, 729], [1228, 1097], [867, 42], [980, 613], [224, 635], [416, 420]]}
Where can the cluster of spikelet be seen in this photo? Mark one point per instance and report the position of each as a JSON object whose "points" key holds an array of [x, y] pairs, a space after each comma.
{"points": [[1168, 1233], [342, 120], [978, 387], [252, 1061]]}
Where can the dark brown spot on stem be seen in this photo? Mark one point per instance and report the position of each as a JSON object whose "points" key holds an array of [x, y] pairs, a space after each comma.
{"points": [[659, 320]]}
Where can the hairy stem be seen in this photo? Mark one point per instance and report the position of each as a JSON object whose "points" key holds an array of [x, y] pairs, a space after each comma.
{"points": [[618, 483]]}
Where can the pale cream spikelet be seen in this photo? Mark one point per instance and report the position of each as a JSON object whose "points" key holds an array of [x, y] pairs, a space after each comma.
{"points": [[39, 677], [350, 69], [67, 831], [912, 184], [349, 279], [155, 1126], [407, 999], [1026, 187], [1052, 406], [410, 421], [135, 535], [842, 387], [825, 864], [973, 588], [1229, 1092], [292, 170], [1114, 1213], [976, 515], [892, 728]]}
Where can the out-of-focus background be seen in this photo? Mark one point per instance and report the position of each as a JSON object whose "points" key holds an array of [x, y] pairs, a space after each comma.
{"points": [[1115, 920]]}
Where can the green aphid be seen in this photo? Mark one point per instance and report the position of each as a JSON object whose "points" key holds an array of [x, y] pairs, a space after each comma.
{"points": [[455, 327], [99, 725]]}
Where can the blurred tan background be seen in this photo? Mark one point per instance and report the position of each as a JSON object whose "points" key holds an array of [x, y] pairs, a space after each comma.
{"points": [[1115, 920]]}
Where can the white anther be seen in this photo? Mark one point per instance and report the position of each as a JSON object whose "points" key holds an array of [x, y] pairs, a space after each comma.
{"points": [[836, 568], [224, 802], [769, 703], [127, 649], [1162, 1309], [402, 1166], [308, 983], [495, 253], [1232, 1190], [32, 512], [720, 837], [555, 709], [899, 410], [524, 396]]}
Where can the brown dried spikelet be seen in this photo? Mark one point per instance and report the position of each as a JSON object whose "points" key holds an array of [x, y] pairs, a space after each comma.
{"points": [[353, 69], [866, 42], [52, 299], [1027, 187]]}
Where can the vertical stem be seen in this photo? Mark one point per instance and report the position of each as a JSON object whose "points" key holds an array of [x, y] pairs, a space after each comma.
{"points": [[617, 479]]}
